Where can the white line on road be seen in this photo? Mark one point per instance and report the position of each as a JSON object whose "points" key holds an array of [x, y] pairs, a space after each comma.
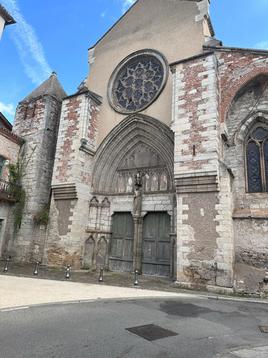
{"points": [[15, 309]]}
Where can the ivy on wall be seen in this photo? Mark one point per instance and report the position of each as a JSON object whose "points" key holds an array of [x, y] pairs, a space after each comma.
{"points": [[18, 193], [16, 172], [42, 216]]}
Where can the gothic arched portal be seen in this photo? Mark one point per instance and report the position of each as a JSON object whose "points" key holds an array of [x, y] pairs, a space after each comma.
{"points": [[136, 159], [138, 143]]}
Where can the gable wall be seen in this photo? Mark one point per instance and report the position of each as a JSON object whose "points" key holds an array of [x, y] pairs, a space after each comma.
{"points": [[172, 27]]}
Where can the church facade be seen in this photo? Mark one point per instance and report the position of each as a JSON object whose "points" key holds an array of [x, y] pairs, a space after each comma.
{"points": [[159, 163]]}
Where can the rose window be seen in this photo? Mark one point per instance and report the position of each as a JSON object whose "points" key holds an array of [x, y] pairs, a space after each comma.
{"points": [[137, 82]]}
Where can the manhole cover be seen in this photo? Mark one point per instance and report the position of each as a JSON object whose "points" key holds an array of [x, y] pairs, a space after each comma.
{"points": [[151, 332], [264, 329]]}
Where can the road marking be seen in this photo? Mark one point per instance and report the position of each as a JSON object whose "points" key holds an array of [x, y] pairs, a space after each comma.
{"points": [[15, 309]]}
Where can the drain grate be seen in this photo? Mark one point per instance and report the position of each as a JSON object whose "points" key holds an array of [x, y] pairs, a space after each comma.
{"points": [[264, 329], [151, 332]]}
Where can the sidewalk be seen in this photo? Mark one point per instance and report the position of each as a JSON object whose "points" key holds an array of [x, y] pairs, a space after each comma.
{"points": [[19, 287], [23, 291], [17, 291]]}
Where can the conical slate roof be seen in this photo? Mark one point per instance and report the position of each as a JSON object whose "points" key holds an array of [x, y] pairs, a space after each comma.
{"points": [[50, 87]]}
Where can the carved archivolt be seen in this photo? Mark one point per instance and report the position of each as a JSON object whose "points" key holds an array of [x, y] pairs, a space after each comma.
{"points": [[139, 143]]}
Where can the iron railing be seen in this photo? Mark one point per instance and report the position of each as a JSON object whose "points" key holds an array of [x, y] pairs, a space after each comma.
{"points": [[7, 190]]}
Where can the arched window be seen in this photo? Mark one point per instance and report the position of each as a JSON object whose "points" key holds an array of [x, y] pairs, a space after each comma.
{"points": [[257, 160]]}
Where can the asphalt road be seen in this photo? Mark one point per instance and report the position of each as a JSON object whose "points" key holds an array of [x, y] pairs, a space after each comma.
{"points": [[204, 328]]}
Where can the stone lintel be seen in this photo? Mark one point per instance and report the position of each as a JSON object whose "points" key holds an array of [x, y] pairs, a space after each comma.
{"points": [[64, 192], [197, 184]]}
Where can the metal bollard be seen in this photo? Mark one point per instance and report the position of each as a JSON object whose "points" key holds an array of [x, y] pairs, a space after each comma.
{"points": [[136, 281], [68, 272], [101, 275], [266, 277], [35, 273], [6, 265]]}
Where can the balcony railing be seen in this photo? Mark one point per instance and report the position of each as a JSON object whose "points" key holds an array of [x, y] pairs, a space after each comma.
{"points": [[7, 191]]}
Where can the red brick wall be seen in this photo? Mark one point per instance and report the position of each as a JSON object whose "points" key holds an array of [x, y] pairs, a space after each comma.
{"points": [[78, 123], [29, 116], [235, 70], [65, 151], [196, 116]]}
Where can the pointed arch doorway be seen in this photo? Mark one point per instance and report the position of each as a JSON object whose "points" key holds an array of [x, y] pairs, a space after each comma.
{"points": [[141, 223]]}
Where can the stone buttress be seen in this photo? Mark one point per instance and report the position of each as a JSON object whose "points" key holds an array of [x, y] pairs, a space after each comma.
{"points": [[72, 179], [205, 249]]}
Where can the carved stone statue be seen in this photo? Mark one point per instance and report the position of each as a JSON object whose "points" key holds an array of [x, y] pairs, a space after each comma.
{"points": [[137, 195], [138, 180]]}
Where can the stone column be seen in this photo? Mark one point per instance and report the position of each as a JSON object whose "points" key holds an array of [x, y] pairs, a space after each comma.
{"points": [[138, 221], [137, 254]]}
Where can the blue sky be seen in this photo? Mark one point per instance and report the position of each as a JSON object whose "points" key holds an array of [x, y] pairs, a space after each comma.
{"points": [[55, 35]]}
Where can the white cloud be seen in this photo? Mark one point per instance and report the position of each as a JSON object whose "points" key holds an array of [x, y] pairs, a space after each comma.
{"points": [[263, 45], [126, 5], [7, 108], [29, 47], [103, 14]]}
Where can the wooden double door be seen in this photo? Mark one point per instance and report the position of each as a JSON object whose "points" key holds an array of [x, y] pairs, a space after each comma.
{"points": [[156, 250]]}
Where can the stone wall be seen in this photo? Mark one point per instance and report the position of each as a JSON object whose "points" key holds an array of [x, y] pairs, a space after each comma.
{"points": [[9, 149], [204, 224], [6, 226], [37, 123], [71, 184], [243, 78]]}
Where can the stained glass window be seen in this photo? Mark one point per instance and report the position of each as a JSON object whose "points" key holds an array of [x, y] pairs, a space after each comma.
{"points": [[137, 82], [257, 160]]}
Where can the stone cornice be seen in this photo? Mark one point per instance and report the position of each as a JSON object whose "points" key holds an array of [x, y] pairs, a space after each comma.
{"points": [[196, 184], [11, 136]]}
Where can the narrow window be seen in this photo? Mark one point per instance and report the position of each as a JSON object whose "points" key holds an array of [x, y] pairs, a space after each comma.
{"points": [[257, 160]]}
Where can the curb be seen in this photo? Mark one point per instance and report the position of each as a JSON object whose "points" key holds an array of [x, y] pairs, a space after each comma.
{"points": [[179, 295]]}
